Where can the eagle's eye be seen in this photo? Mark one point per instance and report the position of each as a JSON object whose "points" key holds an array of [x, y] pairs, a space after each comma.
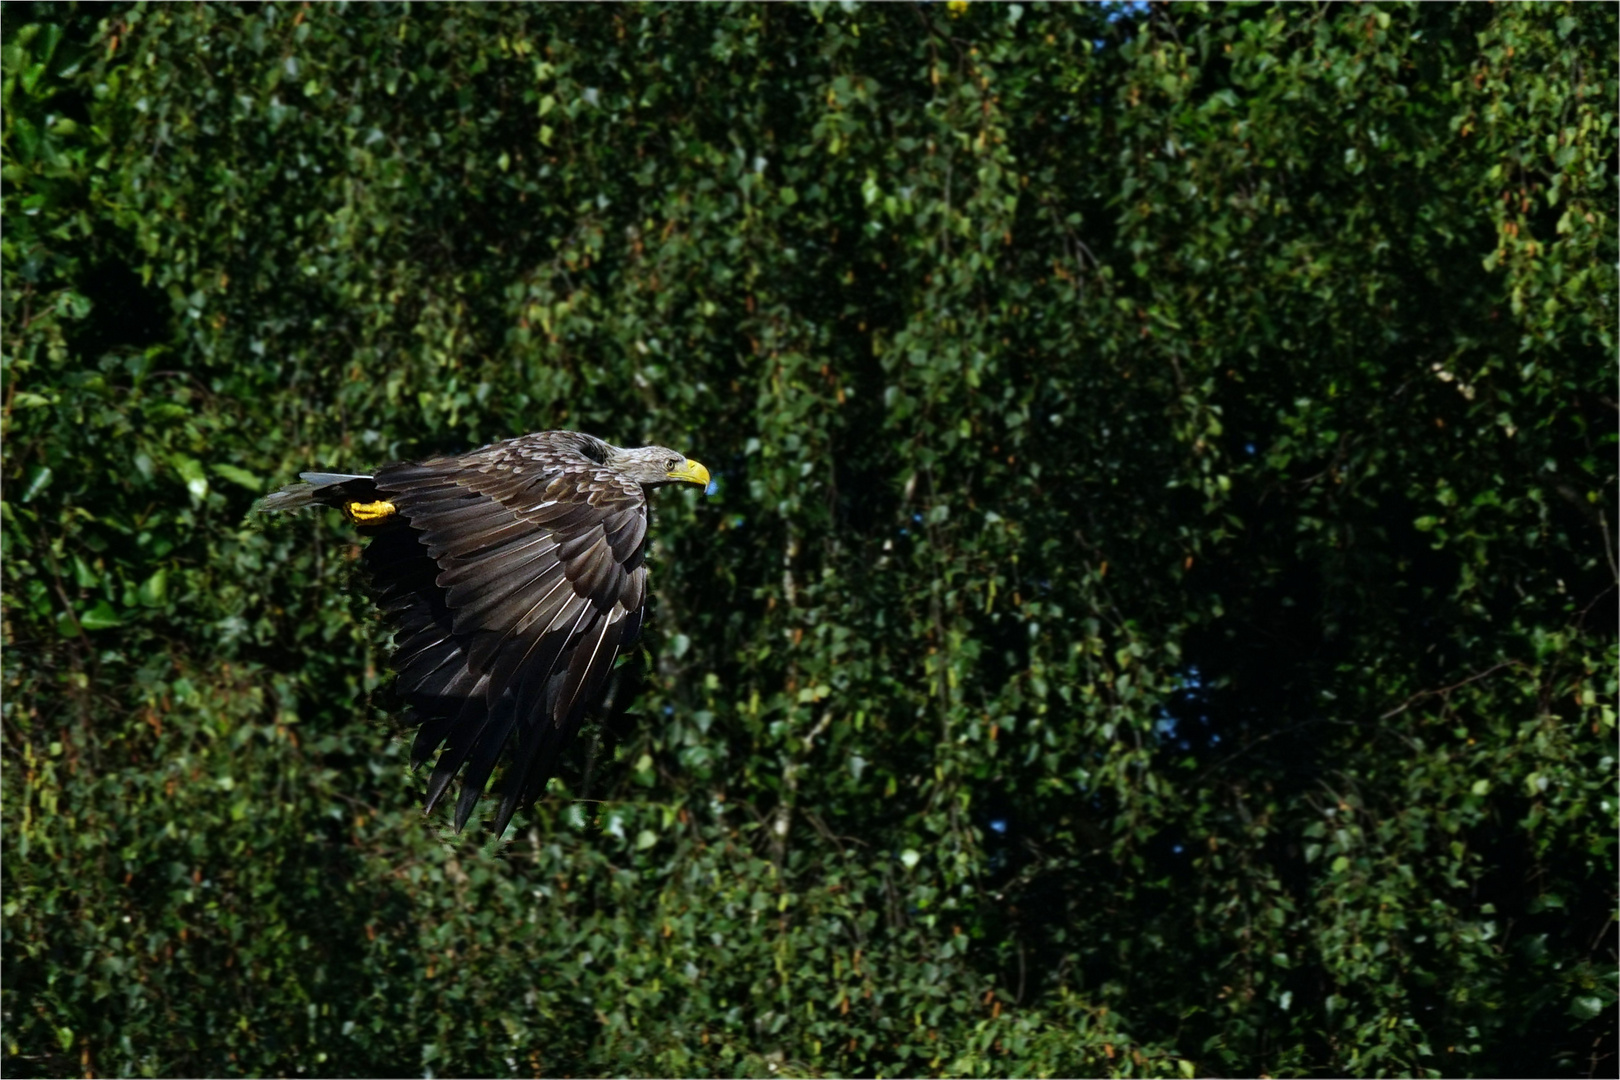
{"points": [[672, 464]]}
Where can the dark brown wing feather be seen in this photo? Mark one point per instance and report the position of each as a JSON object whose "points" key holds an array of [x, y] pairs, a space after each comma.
{"points": [[514, 577]]}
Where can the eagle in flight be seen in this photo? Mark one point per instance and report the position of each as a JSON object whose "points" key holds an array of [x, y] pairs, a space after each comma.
{"points": [[513, 576]]}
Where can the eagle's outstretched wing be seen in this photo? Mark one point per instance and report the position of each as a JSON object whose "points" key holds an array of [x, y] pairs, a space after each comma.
{"points": [[514, 578]]}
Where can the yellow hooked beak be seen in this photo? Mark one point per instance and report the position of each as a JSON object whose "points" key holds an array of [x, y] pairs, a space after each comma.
{"points": [[691, 472]]}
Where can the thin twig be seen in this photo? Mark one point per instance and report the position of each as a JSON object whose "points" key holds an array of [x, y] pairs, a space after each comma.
{"points": [[1421, 694]]}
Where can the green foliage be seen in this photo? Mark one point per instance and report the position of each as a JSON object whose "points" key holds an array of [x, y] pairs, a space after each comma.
{"points": [[1156, 616]]}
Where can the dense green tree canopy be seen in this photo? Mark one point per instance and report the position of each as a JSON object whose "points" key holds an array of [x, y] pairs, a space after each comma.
{"points": [[1156, 616]]}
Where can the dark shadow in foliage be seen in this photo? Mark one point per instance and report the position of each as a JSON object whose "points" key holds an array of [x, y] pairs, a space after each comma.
{"points": [[129, 313]]}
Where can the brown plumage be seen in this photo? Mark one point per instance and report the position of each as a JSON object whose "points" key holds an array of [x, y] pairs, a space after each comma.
{"points": [[513, 577]]}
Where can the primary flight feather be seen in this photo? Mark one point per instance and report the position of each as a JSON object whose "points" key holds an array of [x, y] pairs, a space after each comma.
{"points": [[513, 577]]}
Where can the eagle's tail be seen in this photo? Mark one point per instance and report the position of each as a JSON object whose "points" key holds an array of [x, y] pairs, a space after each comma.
{"points": [[322, 489]]}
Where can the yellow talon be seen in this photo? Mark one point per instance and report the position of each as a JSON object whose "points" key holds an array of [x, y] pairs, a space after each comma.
{"points": [[368, 513]]}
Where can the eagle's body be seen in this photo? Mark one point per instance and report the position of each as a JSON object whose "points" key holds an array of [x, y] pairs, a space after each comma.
{"points": [[513, 577]]}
